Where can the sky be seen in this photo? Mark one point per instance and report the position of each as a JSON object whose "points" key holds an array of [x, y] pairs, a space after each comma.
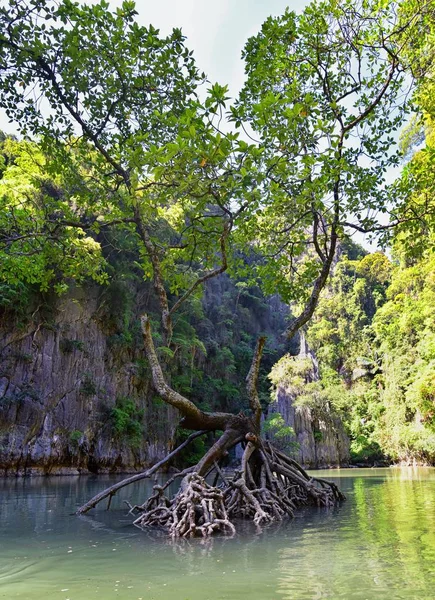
{"points": [[216, 32]]}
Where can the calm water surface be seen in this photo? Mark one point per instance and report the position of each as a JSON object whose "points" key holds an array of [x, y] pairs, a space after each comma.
{"points": [[379, 544]]}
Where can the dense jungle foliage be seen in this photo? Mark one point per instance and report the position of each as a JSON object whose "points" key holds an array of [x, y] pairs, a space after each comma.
{"points": [[124, 172], [374, 329]]}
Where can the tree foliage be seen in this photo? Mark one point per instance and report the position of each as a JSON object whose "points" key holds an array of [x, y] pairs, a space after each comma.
{"points": [[34, 248], [373, 335], [122, 151], [116, 112], [321, 95]]}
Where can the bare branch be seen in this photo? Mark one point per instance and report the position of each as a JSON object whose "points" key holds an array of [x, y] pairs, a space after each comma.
{"points": [[111, 491], [321, 280], [315, 237], [209, 274], [228, 440], [157, 272], [376, 101]]}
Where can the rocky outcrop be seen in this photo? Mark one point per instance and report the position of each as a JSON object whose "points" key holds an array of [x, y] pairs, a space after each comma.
{"points": [[75, 392], [319, 440], [60, 381], [317, 443]]}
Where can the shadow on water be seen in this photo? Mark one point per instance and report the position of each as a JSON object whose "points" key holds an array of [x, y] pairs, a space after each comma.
{"points": [[379, 544]]}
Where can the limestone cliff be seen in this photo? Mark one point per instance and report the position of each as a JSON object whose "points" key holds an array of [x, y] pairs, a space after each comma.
{"points": [[319, 439], [75, 394], [59, 383], [320, 443]]}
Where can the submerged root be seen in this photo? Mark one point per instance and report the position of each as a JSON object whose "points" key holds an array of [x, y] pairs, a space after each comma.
{"points": [[269, 487], [198, 509]]}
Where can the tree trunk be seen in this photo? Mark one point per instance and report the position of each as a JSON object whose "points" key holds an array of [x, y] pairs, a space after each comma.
{"points": [[269, 485]]}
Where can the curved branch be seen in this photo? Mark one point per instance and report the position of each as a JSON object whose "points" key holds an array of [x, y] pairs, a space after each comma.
{"points": [[157, 274], [194, 418], [210, 274], [319, 284], [228, 440], [315, 237], [47, 73], [327, 261]]}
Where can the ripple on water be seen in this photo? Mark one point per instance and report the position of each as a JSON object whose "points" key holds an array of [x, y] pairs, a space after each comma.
{"points": [[16, 568]]}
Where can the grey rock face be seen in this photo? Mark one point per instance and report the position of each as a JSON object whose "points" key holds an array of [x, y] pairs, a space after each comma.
{"points": [[58, 385], [61, 377], [321, 443]]}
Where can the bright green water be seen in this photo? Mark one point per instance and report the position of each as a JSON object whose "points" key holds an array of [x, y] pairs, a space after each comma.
{"points": [[379, 544]]}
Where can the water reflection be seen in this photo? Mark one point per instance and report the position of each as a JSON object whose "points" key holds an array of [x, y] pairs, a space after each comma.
{"points": [[379, 544]]}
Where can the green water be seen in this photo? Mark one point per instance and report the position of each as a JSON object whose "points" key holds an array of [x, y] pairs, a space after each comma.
{"points": [[379, 544]]}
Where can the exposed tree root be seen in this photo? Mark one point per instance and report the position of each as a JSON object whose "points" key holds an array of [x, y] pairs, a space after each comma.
{"points": [[269, 487], [198, 509], [111, 491]]}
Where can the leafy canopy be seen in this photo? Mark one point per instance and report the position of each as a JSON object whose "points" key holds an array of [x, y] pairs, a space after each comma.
{"points": [[115, 111]]}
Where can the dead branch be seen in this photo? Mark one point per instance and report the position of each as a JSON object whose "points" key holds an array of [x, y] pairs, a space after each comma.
{"points": [[111, 491]]}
